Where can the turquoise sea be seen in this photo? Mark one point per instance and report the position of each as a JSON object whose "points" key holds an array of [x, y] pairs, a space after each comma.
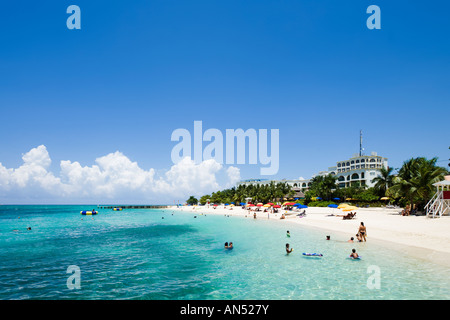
{"points": [[161, 254]]}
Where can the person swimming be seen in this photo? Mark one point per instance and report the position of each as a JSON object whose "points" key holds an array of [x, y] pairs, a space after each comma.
{"points": [[354, 255], [288, 234]]}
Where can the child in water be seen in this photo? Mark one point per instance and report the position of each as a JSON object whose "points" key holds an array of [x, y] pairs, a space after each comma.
{"points": [[288, 250], [354, 255]]}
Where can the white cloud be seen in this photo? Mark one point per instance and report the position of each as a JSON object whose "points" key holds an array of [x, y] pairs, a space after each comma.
{"points": [[113, 177]]}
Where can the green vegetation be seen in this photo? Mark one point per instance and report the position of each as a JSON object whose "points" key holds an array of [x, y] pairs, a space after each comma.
{"points": [[192, 200], [414, 182], [258, 193]]}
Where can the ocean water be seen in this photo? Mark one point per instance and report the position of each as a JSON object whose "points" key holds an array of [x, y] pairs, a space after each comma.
{"points": [[161, 254]]}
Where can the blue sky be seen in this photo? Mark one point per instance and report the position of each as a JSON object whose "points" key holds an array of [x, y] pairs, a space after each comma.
{"points": [[137, 71]]}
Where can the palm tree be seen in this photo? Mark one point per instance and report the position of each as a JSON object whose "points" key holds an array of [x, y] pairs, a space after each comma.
{"points": [[384, 181], [415, 180]]}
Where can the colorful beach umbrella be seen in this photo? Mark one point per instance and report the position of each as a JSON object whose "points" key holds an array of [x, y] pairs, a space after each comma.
{"points": [[342, 205], [332, 205], [349, 208], [277, 206]]}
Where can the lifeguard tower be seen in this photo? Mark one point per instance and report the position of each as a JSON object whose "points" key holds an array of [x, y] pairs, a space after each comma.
{"points": [[439, 205]]}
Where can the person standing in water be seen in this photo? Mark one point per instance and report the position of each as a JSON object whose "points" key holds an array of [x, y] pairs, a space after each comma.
{"points": [[288, 250], [362, 231]]}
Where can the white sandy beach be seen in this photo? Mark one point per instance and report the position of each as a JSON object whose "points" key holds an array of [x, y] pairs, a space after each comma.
{"points": [[419, 236]]}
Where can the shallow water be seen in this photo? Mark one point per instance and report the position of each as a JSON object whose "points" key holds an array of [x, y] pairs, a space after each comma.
{"points": [[161, 254]]}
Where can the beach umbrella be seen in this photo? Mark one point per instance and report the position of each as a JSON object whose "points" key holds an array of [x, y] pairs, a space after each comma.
{"points": [[270, 203], [267, 205], [332, 205], [226, 204], [250, 205], [349, 208], [342, 205], [348, 199], [260, 204], [277, 206], [242, 204], [337, 199], [302, 206], [215, 205], [318, 198]]}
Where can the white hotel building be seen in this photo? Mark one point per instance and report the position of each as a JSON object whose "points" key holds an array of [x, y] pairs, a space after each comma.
{"points": [[359, 169]]}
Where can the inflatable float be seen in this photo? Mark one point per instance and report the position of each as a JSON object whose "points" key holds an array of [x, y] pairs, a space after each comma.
{"points": [[88, 213], [117, 209], [312, 254]]}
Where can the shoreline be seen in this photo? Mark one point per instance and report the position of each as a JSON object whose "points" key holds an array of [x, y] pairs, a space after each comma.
{"points": [[418, 236]]}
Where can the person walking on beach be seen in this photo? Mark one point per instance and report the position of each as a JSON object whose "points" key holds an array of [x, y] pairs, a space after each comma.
{"points": [[362, 231], [288, 250]]}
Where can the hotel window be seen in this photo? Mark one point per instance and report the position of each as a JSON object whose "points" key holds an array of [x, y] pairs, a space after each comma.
{"points": [[348, 164], [339, 165], [357, 161], [362, 175], [357, 167], [363, 166], [363, 160], [352, 162], [372, 160], [352, 168]]}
